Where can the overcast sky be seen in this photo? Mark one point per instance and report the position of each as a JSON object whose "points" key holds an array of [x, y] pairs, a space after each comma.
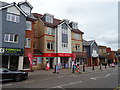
{"points": [[98, 19]]}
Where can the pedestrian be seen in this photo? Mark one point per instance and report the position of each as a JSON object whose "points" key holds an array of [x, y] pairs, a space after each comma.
{"points": [[57, 69], [47, 66], [76, 68]]}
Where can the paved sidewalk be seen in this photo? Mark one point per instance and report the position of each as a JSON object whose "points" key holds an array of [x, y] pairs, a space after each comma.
{"points": [[68, 71], [42, 75]]}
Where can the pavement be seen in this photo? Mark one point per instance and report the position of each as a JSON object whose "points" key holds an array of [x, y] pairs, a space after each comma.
{"points": [[47, 74]]}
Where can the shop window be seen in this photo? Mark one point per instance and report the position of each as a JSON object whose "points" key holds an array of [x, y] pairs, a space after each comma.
{"points": [[14, 62], [34, 61], [5, 60], [26, 63]]}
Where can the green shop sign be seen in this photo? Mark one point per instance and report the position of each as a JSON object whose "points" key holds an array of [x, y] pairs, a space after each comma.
{"points": [[11, 51]]}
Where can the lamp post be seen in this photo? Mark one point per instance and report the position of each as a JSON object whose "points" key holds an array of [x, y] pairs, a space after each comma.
{"points": [[108, 59]]}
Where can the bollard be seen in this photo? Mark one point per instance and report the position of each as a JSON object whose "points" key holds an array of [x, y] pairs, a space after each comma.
{"points": [[105, 65], [55, 69], [73, 69], [83, 68], [100, 66], [93, 67]]}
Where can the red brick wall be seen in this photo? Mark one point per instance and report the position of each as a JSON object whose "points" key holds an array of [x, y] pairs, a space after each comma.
{"points": [[30, 34]]}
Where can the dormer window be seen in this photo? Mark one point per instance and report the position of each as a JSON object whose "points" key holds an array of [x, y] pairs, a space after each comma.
{"points": [[75, 25], [25, 9], [49, 18]]}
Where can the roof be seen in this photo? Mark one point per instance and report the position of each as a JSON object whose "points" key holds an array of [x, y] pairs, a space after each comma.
{"points": [[25, 2], [13, 4], [86, 43], [77, 31], [52, 25], [100, 46], [3, 3]]}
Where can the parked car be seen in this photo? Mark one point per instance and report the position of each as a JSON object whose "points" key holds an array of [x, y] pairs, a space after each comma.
{"points": [[6, 75]]}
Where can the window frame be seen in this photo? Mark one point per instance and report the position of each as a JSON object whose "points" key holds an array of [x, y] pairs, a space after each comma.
{"points": [[77, 47], [51, 45], [13, 18], [49, 19], [77, 36], [64, 45], [27, 44], [26, 9], [50, 31], [9, 38], [28, 25]]}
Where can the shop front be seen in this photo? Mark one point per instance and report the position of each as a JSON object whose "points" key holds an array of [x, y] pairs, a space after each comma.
{"points": [[62, 59], [81, 58], [11, 57]]}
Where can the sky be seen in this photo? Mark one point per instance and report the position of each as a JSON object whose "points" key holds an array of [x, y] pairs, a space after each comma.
{"points": [[98, 19]]}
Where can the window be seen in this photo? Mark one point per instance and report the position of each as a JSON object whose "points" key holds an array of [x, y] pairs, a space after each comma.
{"points": [[13, 18], [49, 18], [77, 47], [64, 31], [25, 9], [27, 42], [50, 31], [50, 45], [28, 25], [77, 36], [11, 38], [64, 44], [75, 25]]}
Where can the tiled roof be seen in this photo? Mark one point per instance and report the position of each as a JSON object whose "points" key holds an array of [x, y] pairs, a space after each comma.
{"points": [[88, 42], [77, 31], [55, 21]]}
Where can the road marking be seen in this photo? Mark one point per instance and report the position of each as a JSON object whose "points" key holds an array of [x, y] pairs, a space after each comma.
{"points": [[60, 86], [95, 78], [107, 75], [73, 75], [60, 77], [7, 84], [116, 68]]}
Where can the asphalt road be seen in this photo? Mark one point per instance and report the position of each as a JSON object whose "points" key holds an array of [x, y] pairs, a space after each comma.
{"points": [[98, 79]]}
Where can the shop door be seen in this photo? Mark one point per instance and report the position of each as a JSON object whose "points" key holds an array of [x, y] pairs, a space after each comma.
{"points": [[51, 62], [64, 62], [14, 62], [5, 60]]}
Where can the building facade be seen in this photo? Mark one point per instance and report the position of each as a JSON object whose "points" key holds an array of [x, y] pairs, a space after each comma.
{"points": [[103, 54], [77, 44], [53, 39], [17, 35], [12, 35], [92, 50], [29, 34]]}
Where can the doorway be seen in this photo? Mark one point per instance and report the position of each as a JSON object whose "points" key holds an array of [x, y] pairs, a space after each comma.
{"points": [[51, 62]]}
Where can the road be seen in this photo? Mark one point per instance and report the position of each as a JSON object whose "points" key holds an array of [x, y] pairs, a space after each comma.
{"points": [[99, 79]]}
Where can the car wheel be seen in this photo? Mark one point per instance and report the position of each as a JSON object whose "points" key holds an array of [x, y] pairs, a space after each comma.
{"points": [[18, 77]]}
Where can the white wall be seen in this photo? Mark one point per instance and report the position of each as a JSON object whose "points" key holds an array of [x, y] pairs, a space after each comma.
{"points": [[59, 41]]}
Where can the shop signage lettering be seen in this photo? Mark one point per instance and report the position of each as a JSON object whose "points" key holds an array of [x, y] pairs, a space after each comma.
{"points": [[11, 51]]}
